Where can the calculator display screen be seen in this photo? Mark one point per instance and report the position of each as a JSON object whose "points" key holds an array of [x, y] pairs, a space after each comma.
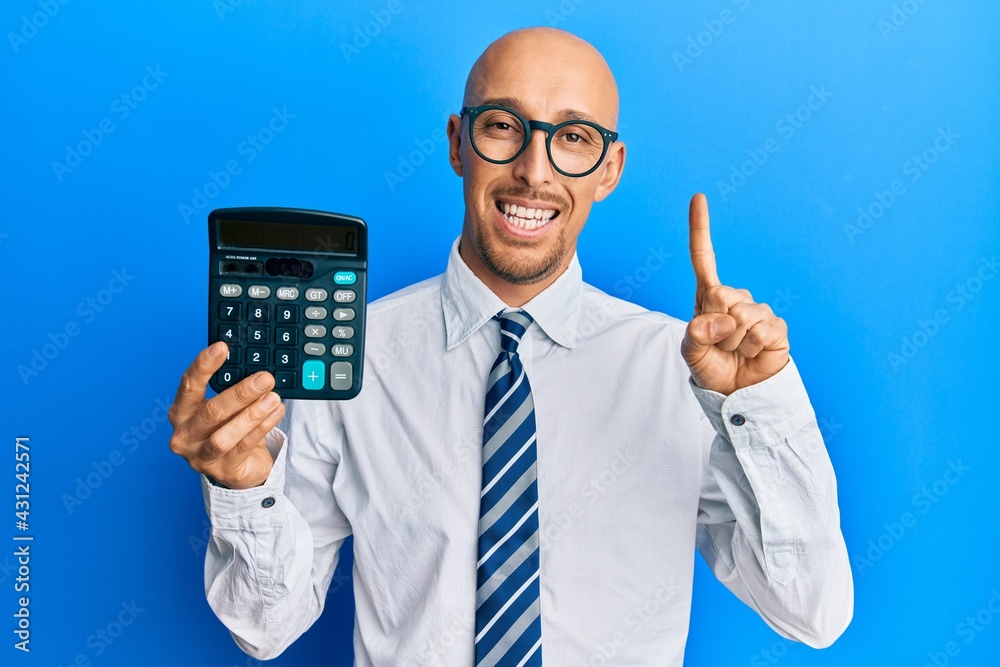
{"points": [[288, 236]]}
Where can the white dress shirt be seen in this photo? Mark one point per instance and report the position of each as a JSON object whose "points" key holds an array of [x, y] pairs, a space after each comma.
{"points": [[637, 467]]}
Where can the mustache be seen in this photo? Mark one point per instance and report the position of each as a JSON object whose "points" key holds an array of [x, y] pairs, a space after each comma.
{"points": [[528, 193]]}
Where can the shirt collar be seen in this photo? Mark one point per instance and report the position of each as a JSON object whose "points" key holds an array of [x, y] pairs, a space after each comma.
{"points": [[468, 303]]}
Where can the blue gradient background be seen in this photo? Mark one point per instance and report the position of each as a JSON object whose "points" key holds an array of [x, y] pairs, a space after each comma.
{"points": [[893, 425]]}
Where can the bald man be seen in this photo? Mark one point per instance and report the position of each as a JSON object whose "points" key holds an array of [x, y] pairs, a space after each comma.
{"points": [[532, 463]]}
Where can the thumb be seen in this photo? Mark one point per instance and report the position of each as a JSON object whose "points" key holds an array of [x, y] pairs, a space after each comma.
{"points": [[706, 330]]}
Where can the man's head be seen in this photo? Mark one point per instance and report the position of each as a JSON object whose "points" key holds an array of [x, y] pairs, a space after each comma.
{"points": [[547, 75]]}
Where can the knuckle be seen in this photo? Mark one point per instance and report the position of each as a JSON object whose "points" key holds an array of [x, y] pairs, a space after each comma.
{"points": [[212, 411], [214, 447]]}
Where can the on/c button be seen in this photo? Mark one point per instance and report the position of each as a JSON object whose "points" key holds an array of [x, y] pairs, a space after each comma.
{"points": [[313, 374], [345, 277]]}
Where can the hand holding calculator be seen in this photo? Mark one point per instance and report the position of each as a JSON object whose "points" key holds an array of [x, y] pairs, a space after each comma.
{"points": [[287, 294]]}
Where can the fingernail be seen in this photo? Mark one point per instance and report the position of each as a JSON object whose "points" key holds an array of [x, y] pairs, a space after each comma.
{"points": [[270, 401], [215, 350], [717, 329], [260, 381]]}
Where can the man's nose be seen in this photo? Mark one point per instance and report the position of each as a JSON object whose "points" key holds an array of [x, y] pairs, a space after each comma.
{"points": [[532, 166]]}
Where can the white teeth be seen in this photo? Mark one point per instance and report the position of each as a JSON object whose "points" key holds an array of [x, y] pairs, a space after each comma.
{"points": [[526, 218]]}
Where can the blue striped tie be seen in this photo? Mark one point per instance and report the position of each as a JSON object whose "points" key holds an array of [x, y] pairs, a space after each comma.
{"points": [[508, 623]]}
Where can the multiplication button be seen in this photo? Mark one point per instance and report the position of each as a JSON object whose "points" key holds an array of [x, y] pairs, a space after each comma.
{"points": [[315, 331]]}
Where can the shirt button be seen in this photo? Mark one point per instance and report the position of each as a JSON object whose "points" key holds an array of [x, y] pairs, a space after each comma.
{"points": [[738, 420], [267, 502]]}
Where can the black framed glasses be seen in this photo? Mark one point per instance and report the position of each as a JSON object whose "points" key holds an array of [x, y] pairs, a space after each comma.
{"points": [[499, 135]]}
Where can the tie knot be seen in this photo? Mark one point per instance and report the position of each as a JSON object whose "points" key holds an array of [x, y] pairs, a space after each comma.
{"points": [[513, 324]]}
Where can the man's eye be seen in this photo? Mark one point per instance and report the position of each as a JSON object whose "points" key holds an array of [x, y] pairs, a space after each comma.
{"points": [[501, 126], [573, 137]]}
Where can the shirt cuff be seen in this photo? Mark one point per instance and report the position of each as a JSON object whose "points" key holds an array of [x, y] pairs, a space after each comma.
{"points": [[238, 508], [766, 412]]}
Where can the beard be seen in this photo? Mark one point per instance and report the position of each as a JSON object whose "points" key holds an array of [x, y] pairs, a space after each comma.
{"points": [[514, 267]]}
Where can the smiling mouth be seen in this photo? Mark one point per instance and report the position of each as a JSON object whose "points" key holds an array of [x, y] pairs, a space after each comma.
{"points": [[528, 219]]}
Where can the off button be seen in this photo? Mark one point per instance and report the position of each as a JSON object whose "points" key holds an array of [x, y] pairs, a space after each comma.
{"points": [[345, 278]]}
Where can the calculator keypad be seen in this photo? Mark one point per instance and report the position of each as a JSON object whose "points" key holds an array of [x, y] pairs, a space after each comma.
{"points": [[265, 331]]}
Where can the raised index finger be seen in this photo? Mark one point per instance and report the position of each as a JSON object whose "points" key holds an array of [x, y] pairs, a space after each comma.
{"points": [[702, 254], [194, 382]]}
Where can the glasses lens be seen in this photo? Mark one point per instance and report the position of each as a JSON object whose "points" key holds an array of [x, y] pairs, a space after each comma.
{"points": [[498, 134], [577, 148]]}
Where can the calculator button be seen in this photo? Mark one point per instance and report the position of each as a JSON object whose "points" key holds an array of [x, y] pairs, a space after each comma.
{"points": [[315, 331], [314, 349], [344, 296], [343, 332], [258, 335], [342, 350], [316, 294], [229, 333], [259, 313], [234, 354], [287, 293], [343, 314], [258, 291], [341, 375], [315, 313], [287, 336], [227, 377], [257, 356], [284, 357], [345, 278], [313, 374], [230, 290], [286, 314], [284, 380], [230, 312]]}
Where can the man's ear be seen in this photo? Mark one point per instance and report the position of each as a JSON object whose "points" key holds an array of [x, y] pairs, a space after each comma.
{"points": [[455, 143], [614, 163]]}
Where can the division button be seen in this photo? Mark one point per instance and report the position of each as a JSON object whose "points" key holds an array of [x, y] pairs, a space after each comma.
{"points": [[230, 289], [313, 374], [343, 332], [287, 293], [258, 291], [314, 349], [341, 375], [316, 313], [343, 350], [343, 314], [344, 296], [316, 294], [315, 331]]}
